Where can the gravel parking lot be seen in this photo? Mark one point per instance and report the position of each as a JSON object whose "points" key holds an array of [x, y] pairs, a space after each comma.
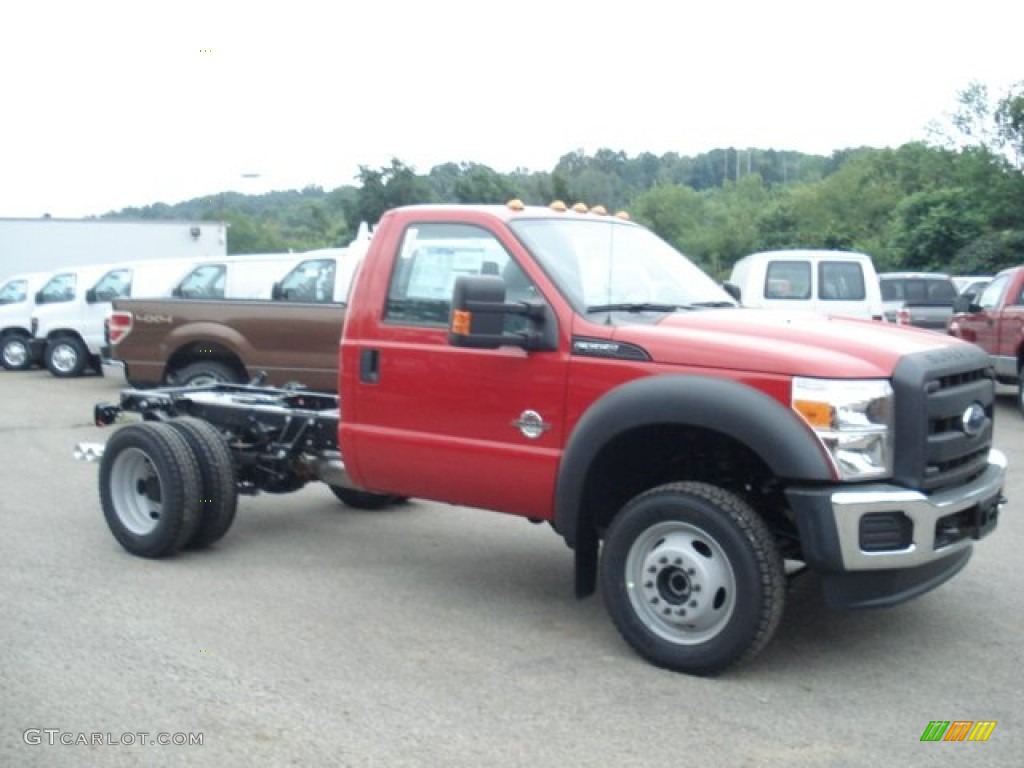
{"points": [[431, 635]]}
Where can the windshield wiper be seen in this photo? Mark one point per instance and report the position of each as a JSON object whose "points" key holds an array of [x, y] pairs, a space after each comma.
{"points": [[635, 306], [713, 304]]}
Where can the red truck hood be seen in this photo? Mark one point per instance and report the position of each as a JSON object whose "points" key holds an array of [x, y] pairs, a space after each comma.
{"points": [[793, 343]]}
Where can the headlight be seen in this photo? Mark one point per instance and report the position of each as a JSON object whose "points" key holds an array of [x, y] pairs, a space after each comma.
{"points": [[853, 420]]}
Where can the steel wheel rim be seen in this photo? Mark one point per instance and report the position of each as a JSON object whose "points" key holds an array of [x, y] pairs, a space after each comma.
{"points": [[64, 357], [204, 380], [134, 482], [15, 352], [680, 583]]}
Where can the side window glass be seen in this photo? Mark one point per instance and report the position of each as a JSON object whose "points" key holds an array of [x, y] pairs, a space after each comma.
{"points": [[788, 280], [203, 282], [841, 281], [311, 280], [59, 288], [14, 292], [989, 298], [113, 285], [430, 259]]}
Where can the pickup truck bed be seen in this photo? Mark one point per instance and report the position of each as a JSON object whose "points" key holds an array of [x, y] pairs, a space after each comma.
{"points": [[181, 341], [920, 299]]}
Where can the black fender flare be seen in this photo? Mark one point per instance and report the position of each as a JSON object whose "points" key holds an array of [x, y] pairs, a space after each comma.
{"points": [[751, 417]]}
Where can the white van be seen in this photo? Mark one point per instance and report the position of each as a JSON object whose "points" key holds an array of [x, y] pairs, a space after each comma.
{"points": [[17, 301], [235, 277], [73, 305], [830, 282]]}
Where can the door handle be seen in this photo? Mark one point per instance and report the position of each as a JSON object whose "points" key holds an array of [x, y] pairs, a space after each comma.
{"points": [[369, 366]]}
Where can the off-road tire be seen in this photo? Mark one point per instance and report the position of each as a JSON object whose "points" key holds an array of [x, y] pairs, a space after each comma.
{"points": [[149, 489], [692, 578], [218, 493]]}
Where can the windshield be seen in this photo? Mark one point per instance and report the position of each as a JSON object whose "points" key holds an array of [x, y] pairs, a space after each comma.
{"points": [[609, 264]]}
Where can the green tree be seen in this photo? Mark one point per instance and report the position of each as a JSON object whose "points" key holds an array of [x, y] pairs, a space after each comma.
{"points": [[675, 213], [931, 227], [480, 184], [385, 188]]}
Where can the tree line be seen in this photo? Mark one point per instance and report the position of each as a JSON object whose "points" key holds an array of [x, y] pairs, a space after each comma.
{"points": [[953, 202]]}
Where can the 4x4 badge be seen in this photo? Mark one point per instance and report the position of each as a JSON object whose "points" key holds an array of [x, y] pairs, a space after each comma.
{"points": [[531, 424]]}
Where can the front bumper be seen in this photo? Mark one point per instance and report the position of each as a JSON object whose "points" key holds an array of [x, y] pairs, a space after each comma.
{"points": [[894, 543]]}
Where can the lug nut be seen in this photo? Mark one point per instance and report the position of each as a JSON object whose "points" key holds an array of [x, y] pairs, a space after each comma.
{"points": [[649, 585], [693, 603]]}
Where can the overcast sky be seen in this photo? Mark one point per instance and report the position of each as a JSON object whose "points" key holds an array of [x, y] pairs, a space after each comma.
{"points": [[113, 104]]}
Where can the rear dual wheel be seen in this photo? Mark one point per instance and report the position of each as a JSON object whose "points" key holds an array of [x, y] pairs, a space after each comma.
{"points": [[165, 486], [218, 498]]}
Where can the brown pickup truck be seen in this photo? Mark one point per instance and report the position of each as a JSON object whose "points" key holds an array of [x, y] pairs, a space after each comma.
{"points": [[292, 338]]}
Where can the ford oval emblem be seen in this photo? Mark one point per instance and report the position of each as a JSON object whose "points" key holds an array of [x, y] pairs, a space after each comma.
{"points": [[973, 420]]}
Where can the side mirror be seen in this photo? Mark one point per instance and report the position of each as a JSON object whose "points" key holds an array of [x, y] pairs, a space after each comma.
{"points": [[176, 293], [966, 303], [479, 313], [733, 290], [40, 299], [276, 293], [90, 296]]}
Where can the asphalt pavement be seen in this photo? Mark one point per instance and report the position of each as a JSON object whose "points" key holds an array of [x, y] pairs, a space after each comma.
{"points": [[432, 635]]}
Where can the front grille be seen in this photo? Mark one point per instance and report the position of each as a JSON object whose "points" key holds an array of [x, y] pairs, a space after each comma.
{"points": [[933, 392]]}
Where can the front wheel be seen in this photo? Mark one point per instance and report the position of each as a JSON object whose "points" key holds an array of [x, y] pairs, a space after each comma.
{"points": [[15, 352], [692, 578], [66, 357]]}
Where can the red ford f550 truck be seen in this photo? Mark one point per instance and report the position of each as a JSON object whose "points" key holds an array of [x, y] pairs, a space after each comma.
{"points": [[594, 378], [995, 322]]}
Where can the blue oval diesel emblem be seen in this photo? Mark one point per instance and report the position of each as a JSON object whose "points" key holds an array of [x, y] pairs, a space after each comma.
{"points": [[973, 420]]}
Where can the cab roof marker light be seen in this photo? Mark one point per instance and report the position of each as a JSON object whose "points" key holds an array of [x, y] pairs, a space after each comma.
{"points": [[580, 207], [599, 210], [624, 215], [559, 206], [515, 204]]}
